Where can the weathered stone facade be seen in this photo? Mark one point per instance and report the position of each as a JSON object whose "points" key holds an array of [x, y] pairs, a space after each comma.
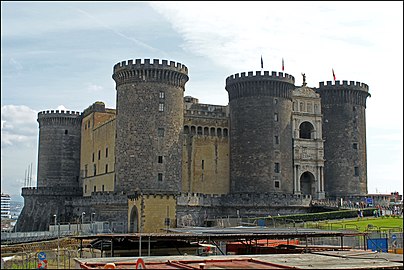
{"points": [[161, 159], [344, 132], [149, 125], [260, 110], [59, 148]]}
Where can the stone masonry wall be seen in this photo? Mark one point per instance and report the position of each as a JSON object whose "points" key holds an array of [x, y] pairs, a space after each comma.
{"points": [[344, 130]]}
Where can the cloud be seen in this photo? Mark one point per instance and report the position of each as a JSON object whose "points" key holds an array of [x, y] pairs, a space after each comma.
{"points": [[91, 87], [18, 125]]}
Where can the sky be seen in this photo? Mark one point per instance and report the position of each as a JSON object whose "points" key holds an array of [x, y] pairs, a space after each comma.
{"points": [[60, 55]]}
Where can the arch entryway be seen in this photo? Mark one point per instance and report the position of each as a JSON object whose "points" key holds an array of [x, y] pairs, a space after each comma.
{"points": [[307, 186], [134, 220], [306, 131]]}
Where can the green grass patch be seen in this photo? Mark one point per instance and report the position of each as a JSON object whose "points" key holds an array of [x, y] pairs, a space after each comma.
{"points": [[361, 224]]}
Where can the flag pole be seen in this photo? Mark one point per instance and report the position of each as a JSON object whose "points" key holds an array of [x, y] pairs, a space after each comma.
{"points": [[333, 75], [262, 63], [283, 65]]}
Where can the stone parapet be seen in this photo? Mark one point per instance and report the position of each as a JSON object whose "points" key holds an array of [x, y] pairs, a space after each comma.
{"points": [[171, 73]]}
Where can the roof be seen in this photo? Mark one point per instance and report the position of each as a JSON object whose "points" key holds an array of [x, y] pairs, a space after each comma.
{"points": [[223, 234], [353, 259]]}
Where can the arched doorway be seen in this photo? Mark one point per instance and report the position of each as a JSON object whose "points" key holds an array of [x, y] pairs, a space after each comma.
{"points": [[306, 131], [133, 225], [307, 186]]}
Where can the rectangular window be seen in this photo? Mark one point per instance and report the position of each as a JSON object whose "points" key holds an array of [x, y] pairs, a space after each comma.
{"points": [[85, 170], [106, 168], [276, 139], [355, 145], [106, 152], [161, 107], [93, 157], [160, 159], [203, 164], [95, 188], [85, 188], [160, 177], [103, 188], [277, 184], [161, 94], [95, 169], [276, 117], [301, 106], [309, 107], [160, 132], [99, 154], [356, 171], [277, 167]]}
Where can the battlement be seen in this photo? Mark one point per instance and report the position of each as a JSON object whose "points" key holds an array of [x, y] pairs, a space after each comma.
{"points": [[169, 73], [345, 84], [165, 64], [55, 113], [274, 76], [59, 118], [51, 191], [246, 199]]}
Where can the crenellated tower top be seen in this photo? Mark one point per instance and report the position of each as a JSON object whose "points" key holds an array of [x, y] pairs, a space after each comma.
{"points": [[274, 76], [59, 117], [345, 92], [351, 85], [260, 84], [137, 71]]}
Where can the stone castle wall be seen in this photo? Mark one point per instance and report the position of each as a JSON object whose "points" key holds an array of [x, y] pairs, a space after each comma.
{"points": [[149, 125], [42, 203], [344, 130], [59, 148], [195, 209], [260, 109]]}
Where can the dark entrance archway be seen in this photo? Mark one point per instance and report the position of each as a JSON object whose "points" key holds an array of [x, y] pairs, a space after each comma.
{"points": [[307, 186], [134, 223], [306, 130]]}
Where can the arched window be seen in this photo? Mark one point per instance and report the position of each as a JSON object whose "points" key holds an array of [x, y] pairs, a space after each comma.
{"points": [[193, 130], [186, 129], [206, 131], [219, 132], [225, 132], [212, 132], [133, 227], [199, 130], [306, 131]]}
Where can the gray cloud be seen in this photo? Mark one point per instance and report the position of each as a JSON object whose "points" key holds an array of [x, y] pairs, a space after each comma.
{"points": [[18, 125]]}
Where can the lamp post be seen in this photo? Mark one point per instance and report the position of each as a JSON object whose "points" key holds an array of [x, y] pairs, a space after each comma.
{"points": [[92, 221], [57, 256], [82, 220]]}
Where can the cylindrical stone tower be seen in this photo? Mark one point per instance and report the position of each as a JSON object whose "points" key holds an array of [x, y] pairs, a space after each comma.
{"points": [[149, 125], [260, 132], [344, 130], [59, 149]]}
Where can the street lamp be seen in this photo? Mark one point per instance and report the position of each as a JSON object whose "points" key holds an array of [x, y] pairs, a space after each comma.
{"points": [[82, 220], [92, 221], [57, 256]]}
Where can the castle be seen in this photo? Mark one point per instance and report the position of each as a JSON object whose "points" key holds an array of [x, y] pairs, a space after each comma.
{"points": [[163, 159]]}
